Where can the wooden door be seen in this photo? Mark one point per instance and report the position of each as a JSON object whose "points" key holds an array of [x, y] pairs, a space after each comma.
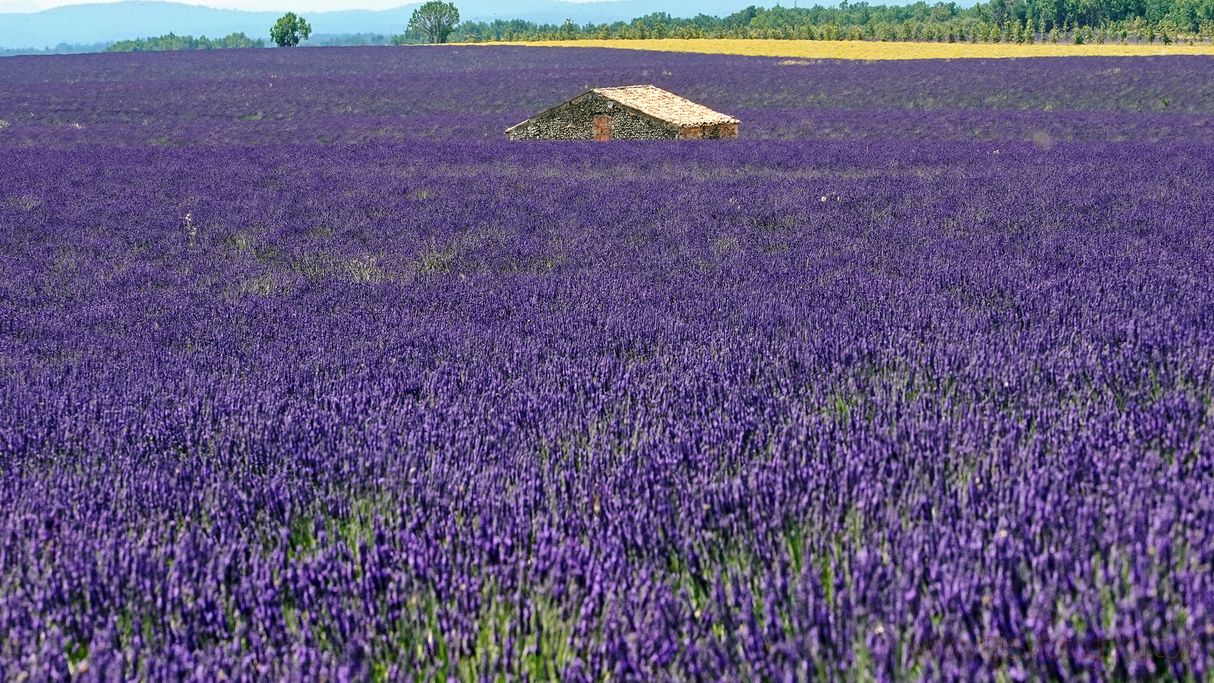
{"points": [[602, 127]]}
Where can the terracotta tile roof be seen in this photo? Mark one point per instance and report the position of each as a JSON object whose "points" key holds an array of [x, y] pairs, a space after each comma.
{"points": [[664, 105]]}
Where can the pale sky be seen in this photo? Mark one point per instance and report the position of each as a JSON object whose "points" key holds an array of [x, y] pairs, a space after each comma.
{"points": [[252, 5]]}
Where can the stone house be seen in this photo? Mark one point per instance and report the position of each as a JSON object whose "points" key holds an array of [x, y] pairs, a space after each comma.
{"points": [[630, 112]]}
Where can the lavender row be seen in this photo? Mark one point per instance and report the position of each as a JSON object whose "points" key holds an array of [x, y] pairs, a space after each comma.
{"points": [[358, 95], [459, 409]]}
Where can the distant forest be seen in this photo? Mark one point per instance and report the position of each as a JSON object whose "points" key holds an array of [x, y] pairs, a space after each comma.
{"points": [[175, 42], [1019, 21], [1078, 21]]}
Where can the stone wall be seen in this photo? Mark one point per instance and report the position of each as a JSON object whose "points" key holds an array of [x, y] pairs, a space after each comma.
{"points": [[720, 131], [575, 121]]}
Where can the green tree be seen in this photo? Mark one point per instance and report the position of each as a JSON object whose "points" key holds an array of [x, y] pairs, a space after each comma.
{"points": [[289, 30], [435, 20]]}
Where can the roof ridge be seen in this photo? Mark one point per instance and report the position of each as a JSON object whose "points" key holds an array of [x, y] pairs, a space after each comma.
{"points": [[634, 85]]}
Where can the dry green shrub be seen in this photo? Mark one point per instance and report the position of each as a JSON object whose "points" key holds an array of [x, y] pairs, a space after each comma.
{"points": [[25, 202], [364, 270], [262, 285]]}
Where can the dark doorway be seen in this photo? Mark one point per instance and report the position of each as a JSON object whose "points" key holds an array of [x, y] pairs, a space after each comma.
{"points": [[602, 127]]}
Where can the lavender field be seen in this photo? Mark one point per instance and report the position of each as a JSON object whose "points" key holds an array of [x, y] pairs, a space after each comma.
{"points": [[306, 373]]}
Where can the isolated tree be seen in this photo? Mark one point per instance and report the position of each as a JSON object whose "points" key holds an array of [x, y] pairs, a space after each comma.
{"points": [[435, 20], [289, 30]]}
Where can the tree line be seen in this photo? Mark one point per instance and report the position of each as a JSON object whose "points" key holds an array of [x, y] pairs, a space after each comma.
{"points": [[994, 21], [172, 41], [1020, 21]]}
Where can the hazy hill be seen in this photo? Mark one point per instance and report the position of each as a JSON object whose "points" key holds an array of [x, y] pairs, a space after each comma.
{"points": [[94, 23]]}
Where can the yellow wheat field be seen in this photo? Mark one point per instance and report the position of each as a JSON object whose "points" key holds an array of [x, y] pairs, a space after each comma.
{"points": [[848, 49]]}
